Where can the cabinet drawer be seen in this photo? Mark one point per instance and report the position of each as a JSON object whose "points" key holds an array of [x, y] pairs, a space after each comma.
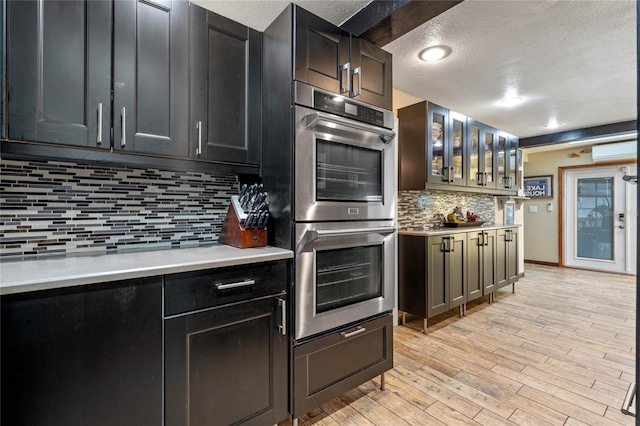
{"points": [[190, 291], [329, 366]]}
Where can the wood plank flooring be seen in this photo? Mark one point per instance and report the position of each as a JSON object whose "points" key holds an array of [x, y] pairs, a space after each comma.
{"points": [[560, 351]]}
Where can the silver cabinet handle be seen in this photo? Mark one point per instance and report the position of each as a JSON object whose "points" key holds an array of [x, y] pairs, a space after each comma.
{"points": [[358, 330], [485, 238], [99, 138], [283, 319], [484, 178], [452, 246], [451, 174], [359, 91], [199, 127], [244, 283], [123, 123], [346, 67]]}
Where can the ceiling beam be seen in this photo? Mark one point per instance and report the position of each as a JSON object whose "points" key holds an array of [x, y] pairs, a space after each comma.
{"points": [[578, 134], [382, 21]]}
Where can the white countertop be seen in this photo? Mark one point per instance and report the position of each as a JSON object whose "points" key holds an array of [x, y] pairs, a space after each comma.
{"points": [[446, 231], [19, 276]]}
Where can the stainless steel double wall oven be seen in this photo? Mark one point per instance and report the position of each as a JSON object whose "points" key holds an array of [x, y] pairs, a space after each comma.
{"points": [[344, 211]]}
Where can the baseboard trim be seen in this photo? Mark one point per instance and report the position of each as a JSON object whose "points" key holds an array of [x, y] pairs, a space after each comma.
{"points": [[540, 262]]}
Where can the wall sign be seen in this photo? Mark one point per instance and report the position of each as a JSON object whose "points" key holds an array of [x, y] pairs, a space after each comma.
{"points": [[538, 186]]}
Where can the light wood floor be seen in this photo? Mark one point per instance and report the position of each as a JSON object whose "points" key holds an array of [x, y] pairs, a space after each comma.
{"points": [[558, 352]]}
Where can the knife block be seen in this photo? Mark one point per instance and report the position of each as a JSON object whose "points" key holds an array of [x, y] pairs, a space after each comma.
{"points": [[233, 232]]}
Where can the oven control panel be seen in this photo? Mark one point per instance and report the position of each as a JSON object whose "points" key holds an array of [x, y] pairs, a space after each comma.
{"points": [[340, 106]]}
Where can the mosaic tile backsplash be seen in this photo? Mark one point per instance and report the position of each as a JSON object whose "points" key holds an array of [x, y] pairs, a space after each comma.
{"points": [[51, 207], [416, 208]]}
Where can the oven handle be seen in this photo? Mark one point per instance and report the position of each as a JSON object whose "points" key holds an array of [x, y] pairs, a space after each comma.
{"points": [[312, 120], [314, 234]]}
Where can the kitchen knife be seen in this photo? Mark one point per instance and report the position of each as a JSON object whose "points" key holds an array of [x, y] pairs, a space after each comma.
{"points": [[243, 189]]}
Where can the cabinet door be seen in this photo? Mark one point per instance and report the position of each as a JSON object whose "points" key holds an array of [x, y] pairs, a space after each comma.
{"points": [[457, 269], [437, 134], [503, 181], [475, 154], [226, 365], [456, 146], [512, 255], [437, 284], [225, 66], [489, 266], [412, 285], [489, 168], [322, 53], [371, 74], [59, 72], [513, 163], [83, 355], [151, 91], [502, 264], [331, 365], [475, 264]]}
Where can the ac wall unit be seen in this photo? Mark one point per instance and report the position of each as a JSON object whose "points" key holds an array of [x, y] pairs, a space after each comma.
{"points": [[614, 151]]}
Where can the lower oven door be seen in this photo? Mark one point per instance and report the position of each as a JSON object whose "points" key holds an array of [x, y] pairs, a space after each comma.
{"points": [[344, 273]]}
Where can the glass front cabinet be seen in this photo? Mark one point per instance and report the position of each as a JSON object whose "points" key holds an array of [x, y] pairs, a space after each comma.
{"points": [[446, 146], [482, 159], [460, 152], [508, 157]]}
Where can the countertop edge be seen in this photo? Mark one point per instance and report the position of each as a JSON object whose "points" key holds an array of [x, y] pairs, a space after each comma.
{"points": [[445, 231], [78, 278]]}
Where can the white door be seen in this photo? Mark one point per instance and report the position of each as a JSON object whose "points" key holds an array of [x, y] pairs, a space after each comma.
{"points": [[600, 219]]}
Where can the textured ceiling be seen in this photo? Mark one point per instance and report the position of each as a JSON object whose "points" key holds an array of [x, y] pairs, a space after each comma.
{"points": [[572, 60]]}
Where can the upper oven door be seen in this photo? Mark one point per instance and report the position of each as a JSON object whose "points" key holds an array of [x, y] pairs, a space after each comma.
{"points": [[344, 169], [344, 273]]}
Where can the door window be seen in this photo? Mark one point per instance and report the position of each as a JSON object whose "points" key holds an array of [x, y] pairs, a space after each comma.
{"points": [[595, 218]]}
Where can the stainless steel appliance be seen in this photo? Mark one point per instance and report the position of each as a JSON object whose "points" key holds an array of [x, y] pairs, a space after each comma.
{"points": [[344, 158], [344, 273]]}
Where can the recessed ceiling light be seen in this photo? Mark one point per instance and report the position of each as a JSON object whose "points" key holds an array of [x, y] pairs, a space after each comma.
{"points": [[434, 53], [553, 124], [511, 101]]}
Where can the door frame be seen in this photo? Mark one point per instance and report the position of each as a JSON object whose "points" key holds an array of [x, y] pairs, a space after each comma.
{"points": [[561, 185]]}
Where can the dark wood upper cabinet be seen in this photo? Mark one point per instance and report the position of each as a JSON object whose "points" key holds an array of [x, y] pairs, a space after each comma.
{"points": [[225, 81], [332, 59], [372, 76], [59, 68], [322, 53], [441, 149], [150, 76], [63, 65]]}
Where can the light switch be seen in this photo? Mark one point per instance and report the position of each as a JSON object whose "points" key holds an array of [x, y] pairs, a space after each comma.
{"points": [[533, 209], [549, 207]]}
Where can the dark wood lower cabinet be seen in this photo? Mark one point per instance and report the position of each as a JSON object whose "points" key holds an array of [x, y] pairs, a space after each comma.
{"points": [[226, 366], [507, 257], [481, 263], [226, 346], [331, 365], [439, 272], [88, 355]]}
